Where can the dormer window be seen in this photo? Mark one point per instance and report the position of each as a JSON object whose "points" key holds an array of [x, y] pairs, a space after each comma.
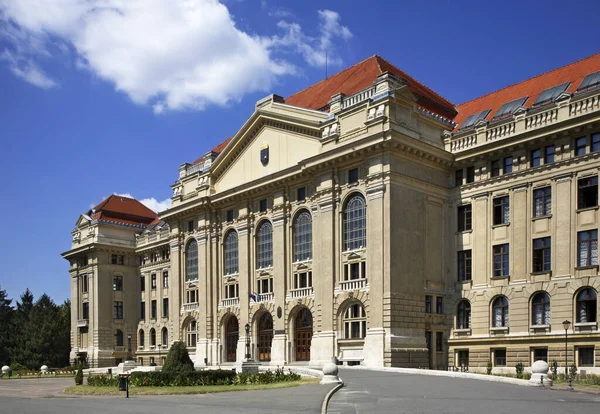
{"points": [[549, 95], [473, 119], [591, 81], [509, 108]]}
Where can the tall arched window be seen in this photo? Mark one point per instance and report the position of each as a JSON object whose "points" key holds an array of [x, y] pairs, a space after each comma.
{"points": [[230, 253], [119, 338], [142, 338], [500, 312], [463, 315], [264, 245], [191, 261], [152, 337], [191, 333], [355, 223], [302, 237], [355, 322], [165, 336], [586, 305], [540, 309]]}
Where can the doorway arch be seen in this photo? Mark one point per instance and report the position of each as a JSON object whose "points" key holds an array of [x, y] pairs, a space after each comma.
{"points": [[265, 337], [232, 335], [303, 326]]}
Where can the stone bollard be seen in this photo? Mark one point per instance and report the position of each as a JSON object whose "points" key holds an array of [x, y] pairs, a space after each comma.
{"points": [[330, 373], [539, 370], [44, 369], [5, 369]]}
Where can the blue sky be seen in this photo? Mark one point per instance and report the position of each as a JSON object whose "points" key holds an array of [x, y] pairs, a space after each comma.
{"points": [[111, 96]]}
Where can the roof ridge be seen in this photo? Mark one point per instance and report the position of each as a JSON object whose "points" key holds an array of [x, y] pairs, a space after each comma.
{"points": [[335, 74], [528, 79], [415, 79]]}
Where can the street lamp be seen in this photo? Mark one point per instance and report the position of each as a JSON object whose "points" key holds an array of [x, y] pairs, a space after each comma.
{"points": [[566, 324], [247, 341], [129, 347]]}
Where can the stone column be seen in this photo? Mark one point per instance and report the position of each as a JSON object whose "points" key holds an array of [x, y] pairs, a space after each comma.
{"points": [[520, 245], [246, 267], [563, 225], [203, 301], [481, 247], [215, 295], [280, 280]]}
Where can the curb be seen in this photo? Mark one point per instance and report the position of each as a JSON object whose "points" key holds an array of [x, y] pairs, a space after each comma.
{"points": [[329, 395]]}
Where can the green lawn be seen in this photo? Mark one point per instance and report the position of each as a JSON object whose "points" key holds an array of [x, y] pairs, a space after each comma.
{"points": [[87, 390]]}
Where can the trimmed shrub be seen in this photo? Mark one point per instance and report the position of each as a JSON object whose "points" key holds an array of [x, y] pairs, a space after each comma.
{"points": [[489, 368], [15, 366], [102, 380], [267, 377], [79, 375], [519, 367], [177, 379], [178, 360]]}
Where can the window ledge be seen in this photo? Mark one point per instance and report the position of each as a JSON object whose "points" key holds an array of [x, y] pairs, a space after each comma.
{"points": [[580, 210], [465, 282], [462, 331], [586, 267], [499, 329], [543, 273], [501, 225], [586, 324], [351, 341], [534, 218], [539, 328], [500, 277], [464, 231]]}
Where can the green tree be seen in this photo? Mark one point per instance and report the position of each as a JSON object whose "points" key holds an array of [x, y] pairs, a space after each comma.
{"points": [[178, 359], [21, 330], [6, 316]]}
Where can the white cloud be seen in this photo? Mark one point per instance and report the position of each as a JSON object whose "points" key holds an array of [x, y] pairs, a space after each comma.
{"points": [[170, 55], [152, 203]]}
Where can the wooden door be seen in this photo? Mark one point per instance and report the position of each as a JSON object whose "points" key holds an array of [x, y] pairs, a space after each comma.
{"points": [[232, 335], [265, 337], [303, 340]]}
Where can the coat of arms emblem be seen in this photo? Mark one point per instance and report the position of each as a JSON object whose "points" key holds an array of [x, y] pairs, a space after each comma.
{"points": [[264, 154]]}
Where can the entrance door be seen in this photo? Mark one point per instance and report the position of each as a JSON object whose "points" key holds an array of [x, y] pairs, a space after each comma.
{"points": [[232, 335], [265, 337], [303, 335]]}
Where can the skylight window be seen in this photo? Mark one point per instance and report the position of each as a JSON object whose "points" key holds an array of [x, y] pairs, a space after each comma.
{"points": [[590, 81], [473, 119], [550, 94], [509, 108]]}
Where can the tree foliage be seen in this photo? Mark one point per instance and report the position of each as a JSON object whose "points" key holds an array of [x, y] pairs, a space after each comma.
{"points": [[178, 359]]}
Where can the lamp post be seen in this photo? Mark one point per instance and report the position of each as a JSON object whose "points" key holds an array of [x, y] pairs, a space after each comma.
{"points": [[129, 347], [247, 327], [566, 324]]}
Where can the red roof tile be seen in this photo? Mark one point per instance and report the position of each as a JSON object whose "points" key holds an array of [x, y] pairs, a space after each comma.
{"points": [[574, 73], [126, 209]]}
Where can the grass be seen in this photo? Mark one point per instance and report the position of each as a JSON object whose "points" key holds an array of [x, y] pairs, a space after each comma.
{"points": [[87, 390]]}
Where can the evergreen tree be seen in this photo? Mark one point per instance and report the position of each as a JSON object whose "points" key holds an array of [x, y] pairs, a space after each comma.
{"points": [[21, 330], [6, 316], [178, 359]]}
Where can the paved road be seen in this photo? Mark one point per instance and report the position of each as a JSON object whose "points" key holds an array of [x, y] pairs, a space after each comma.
{"points": [[384, 392], [45, 396]]}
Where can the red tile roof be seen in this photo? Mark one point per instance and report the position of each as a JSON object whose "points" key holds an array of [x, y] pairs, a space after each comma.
{"points": [[123, 210], [574, 73]]}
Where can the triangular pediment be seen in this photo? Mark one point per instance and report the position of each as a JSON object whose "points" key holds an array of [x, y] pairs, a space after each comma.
{"points": [[84, 220]]}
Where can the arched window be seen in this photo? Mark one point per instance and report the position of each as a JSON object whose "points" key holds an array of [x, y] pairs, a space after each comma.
{"points": [[191, 261], [119, 338], [500, 312], [463, 315], [302, 237], [355, 223], [586, 306], [152, 337], [264, 245], [230, 253], [165, 336], [191, 334], [540, 309], [355, 322], [142, 338]]}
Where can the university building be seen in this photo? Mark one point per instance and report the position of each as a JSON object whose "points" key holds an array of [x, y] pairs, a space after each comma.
{"points": [[367, 218]]}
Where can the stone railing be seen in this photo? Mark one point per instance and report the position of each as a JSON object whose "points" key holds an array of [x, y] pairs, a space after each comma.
{"points": [[358, 97], [82, 323], [463, 143], [142, 239], [188, 307], [225, 303], [353, 284], [541, 119], [300, 293], [591, 103], [265, 297], [499, 132]]}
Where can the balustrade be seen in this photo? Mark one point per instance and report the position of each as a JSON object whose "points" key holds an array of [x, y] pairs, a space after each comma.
{"points": [[353, 284]]}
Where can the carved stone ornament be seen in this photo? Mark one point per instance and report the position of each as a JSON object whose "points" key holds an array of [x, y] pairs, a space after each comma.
{"points": [[279, 312], [350, 295]]}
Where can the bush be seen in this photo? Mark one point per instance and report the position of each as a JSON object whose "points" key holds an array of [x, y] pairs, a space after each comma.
{"points": [[102, 380], [519, 367], [489, 368], [15, 366], [267, 377], [178, 360], [177, 379], [573, 371], [79, 375]]}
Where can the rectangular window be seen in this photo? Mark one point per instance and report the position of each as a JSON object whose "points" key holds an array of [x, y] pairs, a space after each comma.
{"points": [[153, 281], [540, 354], [262, 207], [229, 215], [153, 310], [143, 311], [264, 285], [470, 174], [464, 265], [165, 308], [541, 254], [549, 154], [439, 305], [118, 310], [439, 341], [587, 248], [301, 196], [495, 168], [117, 282], [428, 300], [501, 210], [536, 158], [302, 280], [542, 202], [192, 296], [463, 358], [580, 146], [232, 291], [165, 280], [117, 259], [501, 252], [85, 310], [507, 165], [499, 357], [595, 143], [84, 283], [142, 283], [458, 177], [587, 192], [586, 357], [464, 217], [353, 176], [190, 226]]}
